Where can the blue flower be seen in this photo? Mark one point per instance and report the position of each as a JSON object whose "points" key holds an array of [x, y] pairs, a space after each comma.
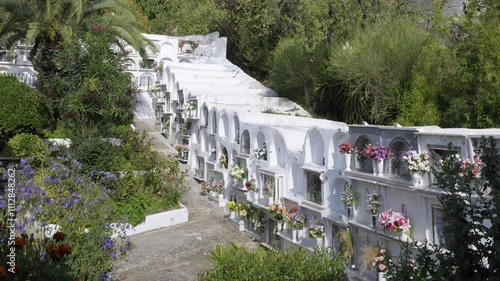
{"points": [[70, 218]]}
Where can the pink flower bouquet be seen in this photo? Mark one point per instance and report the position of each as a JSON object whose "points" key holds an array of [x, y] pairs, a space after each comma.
{"points": [[394, 221]]}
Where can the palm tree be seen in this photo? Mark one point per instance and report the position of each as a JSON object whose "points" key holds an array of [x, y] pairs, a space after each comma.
{"points": [[47, 23]]}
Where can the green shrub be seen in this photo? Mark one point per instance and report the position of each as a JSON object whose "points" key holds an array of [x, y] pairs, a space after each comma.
{"points": [[27, 145], [21, 109], [95, 152], [237, 263], [134, 208]]}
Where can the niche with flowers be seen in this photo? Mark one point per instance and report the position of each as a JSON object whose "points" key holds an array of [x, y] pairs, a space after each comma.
{"points": [[361, 160]]}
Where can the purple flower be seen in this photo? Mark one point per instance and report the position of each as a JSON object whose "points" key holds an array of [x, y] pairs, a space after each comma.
{"points": [[108, 244], [70, 218]]}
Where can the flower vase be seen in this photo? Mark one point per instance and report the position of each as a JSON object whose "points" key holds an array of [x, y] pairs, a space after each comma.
{"points": [[374, 167], [232, 215], [374, 221], [347, 161], [294, 235], [404, 236], [279, 225], [270, 200], [348, 213], [213, 194], [380, 168], [220, 196], [381, 276], [319, 242], [251, 196], [416, 179], [301, 233]]}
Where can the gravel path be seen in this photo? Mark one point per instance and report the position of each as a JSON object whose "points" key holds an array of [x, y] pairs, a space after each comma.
{"points": [[180, 252]]}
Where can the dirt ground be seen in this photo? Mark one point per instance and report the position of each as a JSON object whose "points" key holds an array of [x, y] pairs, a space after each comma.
{"points": [[180, 252]]}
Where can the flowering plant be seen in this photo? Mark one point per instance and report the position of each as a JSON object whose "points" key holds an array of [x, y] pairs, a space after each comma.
{"points": [[251, 185], [231, 206], [378, 153], [394, 221], [417, 163], [296, 218], [237, 173], [260, 153], [277, 211], [269, 188], [468, 168], [217, 187], [373, 201], [382, 262], [192, 105], [182, 148], [345, 147], [205, 188], [242, 210], [316, 229], [348, 196], [363, 153], [223, 160]]}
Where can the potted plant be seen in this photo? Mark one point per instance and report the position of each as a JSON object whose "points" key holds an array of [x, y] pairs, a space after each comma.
{"points": [[231, 207], [278, 212], [297, 221], [317, 231], [237, 173], [373, 206], [251, 186], [223, 161], [348, 197], [345, 149], [418, 164], [394, 222], [378, 154], [269, 190], [382, 263]]}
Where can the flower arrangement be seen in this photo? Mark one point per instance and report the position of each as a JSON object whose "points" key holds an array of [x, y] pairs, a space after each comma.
{"points": [[192, 105], [417, 163], [237, 172], [348, 196], [470, 169], [241, 210], [223, 160], [251, 185], [205, 188], [269, 188], [345, 147], [316, 229], [277, 211], [394, 221], [378, 153], [217, 187], [373, 201], [231, 206], [260, 153], [296, 218], [382, 262], [182, 148], [363, 153]]}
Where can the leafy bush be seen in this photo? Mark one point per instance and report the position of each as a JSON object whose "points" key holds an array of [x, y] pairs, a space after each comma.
{"points": [[27, 145], [94, 151], [21, 109], [237, 263]]}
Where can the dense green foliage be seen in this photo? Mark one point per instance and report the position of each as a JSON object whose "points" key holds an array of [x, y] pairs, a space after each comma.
{"points": [[21, 109], [27, 145], [236, 263]]}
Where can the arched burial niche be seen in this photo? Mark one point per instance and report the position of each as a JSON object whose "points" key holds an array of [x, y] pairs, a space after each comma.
{"points": [[297, 181], [361, 160], [223, 158], [204, 116], [224, 125], [396, 164], [214, 122], [203, 141], [260, 151], [245, 142], [236, 128], [212, 148], [277, 157], [315, 148]]}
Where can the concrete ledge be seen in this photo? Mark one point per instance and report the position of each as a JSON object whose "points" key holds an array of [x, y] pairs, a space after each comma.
{"points": [[160, 220]]}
